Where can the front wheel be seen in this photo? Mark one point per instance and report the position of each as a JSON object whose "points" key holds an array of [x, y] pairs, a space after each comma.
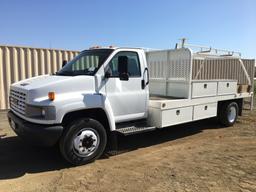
{"points": [[228, 113], [83, 142]]}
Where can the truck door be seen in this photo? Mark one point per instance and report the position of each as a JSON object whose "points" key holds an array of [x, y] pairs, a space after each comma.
{"points": [[127, 96]]}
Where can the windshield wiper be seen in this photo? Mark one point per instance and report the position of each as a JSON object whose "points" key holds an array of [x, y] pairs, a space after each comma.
{"points": [[64, 73], [83, 72]]}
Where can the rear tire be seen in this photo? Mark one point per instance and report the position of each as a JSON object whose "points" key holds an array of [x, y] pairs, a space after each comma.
{"points": [[228, 113], [83, 141]]}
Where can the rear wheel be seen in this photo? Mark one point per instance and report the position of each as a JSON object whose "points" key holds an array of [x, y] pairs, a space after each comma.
{"points": [[83, 142], [228, 113]]}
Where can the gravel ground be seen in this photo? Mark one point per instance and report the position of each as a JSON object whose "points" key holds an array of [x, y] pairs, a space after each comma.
{"points": [[199, 156]]}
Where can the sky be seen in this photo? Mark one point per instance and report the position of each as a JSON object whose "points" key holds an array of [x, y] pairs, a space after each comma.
{"points": [[79, 24]]}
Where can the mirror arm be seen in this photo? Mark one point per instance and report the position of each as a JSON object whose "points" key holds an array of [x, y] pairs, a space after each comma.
{"points": [[124, 77], [107, 75]]}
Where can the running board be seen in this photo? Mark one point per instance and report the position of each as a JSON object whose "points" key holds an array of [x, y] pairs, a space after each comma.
{"points": [[134, 128]]}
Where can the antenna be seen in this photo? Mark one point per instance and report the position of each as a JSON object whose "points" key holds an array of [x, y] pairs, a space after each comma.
{"points": [[183, 42], [176, 46]]}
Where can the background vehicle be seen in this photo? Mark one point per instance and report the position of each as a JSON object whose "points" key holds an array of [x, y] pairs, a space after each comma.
{"points": [[104, 91]]}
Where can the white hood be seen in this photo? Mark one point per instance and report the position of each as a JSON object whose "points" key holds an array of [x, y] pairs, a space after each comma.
{"points": [[40, 86], [40, 81]]}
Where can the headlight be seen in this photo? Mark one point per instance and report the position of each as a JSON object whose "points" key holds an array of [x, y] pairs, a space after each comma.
{"points": [[41, 112]]}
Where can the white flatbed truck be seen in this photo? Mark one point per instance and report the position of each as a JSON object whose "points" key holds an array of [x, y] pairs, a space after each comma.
{"points": [[105, 91]]}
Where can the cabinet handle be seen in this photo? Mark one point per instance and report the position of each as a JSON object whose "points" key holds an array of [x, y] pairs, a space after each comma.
{"points": [[205, 107], [178, 112], [205, 86], [227, 84]]}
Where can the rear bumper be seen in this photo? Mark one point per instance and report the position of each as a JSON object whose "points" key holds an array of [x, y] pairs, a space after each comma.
{"points": [[38, 134]]}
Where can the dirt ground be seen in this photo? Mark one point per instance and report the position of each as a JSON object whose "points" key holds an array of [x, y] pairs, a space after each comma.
{"points": [[199, 156]]}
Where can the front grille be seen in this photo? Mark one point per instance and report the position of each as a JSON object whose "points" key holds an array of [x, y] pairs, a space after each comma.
{"points": [[18, 101]]}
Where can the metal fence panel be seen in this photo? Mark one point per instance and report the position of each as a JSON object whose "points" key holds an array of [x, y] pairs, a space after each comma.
{"points": [[17, 63]]}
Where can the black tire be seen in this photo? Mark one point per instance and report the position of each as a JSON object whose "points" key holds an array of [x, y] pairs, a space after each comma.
{"points": [[225, 117], [71, 141]]}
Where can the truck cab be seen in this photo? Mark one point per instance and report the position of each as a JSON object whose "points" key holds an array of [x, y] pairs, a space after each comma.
{"points": [[101, 87]]}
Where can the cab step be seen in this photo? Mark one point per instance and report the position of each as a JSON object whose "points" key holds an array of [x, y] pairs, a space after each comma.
{"points": [[134, 128]]}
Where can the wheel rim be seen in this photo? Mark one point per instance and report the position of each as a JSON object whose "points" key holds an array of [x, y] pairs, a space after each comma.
{"points": [[232, 114], [86, 142]]}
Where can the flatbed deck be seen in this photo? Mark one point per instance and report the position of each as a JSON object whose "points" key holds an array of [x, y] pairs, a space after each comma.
{"points": [[160, 98], [163, 103]]}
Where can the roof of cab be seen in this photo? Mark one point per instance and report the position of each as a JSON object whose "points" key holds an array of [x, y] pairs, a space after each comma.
{"points": [[112, 48]]}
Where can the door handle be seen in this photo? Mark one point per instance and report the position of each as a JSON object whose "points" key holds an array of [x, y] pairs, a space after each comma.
{"points": [[143, 84]]}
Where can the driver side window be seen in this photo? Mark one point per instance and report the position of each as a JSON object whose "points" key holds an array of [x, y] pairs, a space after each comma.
{"points": [[133, 64]]}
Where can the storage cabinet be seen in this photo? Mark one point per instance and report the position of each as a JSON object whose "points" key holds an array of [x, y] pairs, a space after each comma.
{"points": [[205, 111], [176, 116], [227, 87], [204, 89]]}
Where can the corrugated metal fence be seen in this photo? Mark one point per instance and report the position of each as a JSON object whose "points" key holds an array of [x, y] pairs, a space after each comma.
{"points": [[17, 63]]}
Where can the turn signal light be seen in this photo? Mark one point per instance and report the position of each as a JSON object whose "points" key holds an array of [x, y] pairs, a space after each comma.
{"points": [[51, 96]]}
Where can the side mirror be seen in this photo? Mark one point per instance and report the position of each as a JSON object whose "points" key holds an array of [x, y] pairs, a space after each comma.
{"points": [[64, 62], [123, 68]]}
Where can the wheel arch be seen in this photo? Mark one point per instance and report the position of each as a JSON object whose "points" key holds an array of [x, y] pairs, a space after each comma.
{"points": [[98, 114], [238, 101]]}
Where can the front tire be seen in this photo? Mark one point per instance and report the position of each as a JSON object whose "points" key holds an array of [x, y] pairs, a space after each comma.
{"points": [[228, 113], [83, 141]]}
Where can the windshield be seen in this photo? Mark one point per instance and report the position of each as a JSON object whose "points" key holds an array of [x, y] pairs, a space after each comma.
{"points": [[86, 63]]}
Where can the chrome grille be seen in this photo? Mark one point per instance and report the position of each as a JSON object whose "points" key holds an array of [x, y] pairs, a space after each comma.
{"points": [[18, 101]]}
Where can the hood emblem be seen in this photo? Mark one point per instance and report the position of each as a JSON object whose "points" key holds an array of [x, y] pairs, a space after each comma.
{"points": [[24, 84]]}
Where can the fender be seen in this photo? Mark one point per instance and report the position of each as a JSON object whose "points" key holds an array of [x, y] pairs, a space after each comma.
{"points": [[89, 101]]}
